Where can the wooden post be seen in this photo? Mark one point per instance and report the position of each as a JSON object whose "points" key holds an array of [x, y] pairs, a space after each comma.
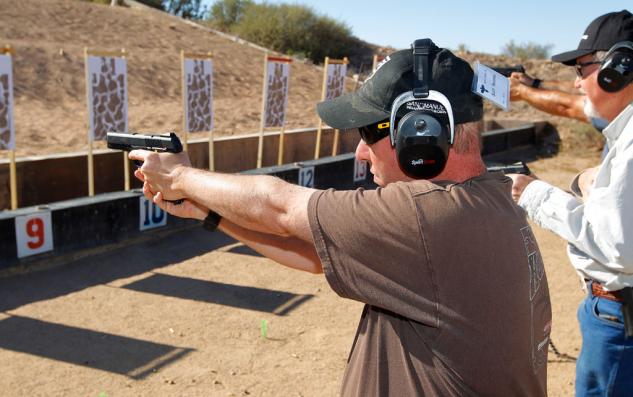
{"points": [[183, 88], [336, 138], [13, 185], [260, 143], [91, 187], [280, 155], [126, 161], [317, 145]]}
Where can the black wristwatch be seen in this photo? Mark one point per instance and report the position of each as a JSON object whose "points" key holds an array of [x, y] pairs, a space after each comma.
{"points": [[536, 83], [212, 221]]}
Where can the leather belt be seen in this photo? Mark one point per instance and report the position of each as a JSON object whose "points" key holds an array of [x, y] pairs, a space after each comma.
{"points": [[597, 290]]}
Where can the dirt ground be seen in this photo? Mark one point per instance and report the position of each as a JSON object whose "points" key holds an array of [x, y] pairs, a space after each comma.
{"points": [[194, 314]]}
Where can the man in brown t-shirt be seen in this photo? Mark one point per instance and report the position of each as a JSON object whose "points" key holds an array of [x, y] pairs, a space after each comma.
{"points": [[456, 297]]}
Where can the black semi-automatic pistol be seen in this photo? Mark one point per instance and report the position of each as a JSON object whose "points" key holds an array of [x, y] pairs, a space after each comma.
{"points": [[127, 141]]}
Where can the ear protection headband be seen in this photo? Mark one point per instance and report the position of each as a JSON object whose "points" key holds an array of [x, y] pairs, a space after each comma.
{"points": [[425, 128], [616, 71]]}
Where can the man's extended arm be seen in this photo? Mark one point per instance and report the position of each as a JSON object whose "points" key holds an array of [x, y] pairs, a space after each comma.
{"points": [[554, 102], [265, 213]]}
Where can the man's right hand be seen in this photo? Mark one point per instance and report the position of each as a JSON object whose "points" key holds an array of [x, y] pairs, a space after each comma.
{"points": [[519, 82]]}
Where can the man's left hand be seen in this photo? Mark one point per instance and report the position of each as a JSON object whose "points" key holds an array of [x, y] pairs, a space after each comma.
{"points": [[161, 171], [519, 183]]}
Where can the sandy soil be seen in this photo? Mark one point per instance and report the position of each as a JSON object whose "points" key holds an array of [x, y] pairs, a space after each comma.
{"points": [[182, 316]]}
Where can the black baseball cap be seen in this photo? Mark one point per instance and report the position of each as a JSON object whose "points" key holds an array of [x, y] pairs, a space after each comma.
{"points": [[601, 34], [371, 103]]}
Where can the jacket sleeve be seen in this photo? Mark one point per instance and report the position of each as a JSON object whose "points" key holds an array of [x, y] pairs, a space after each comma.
{"points": [[602, 226]]}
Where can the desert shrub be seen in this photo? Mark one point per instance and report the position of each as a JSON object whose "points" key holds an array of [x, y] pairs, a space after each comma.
{"points": [[227, 13], [289, 28], [188, 9], [528, 50]]}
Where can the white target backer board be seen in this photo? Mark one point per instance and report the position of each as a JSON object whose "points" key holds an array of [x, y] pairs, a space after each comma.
{"points": [[198, 76], [34, 233], [335, 85], [107, 95], [7, 132], [276, 93]]}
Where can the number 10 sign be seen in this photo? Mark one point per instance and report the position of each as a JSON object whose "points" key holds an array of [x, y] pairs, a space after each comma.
{"points": [[34, 233]]}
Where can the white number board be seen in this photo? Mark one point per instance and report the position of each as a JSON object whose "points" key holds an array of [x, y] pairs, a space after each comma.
{"points": [[34, 233], [306, 176], [360, 170], [150, 215]]}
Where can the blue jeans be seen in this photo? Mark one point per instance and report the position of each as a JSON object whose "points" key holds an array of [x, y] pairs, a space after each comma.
{"points": [[605, 364]]}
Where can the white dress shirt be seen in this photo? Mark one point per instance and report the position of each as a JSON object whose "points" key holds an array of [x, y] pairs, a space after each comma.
{"points": [[600, 228]]}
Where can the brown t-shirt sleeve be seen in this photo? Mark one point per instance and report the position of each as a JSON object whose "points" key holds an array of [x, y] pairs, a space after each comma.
{"points": [[372, 250]]}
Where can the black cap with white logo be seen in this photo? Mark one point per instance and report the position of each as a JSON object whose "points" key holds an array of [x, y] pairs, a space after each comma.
{"points": [[601, 34]]}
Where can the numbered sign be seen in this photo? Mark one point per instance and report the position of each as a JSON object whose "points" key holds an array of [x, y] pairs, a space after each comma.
{"points": [[34, 234], [306, 176], [360, 170], [150, 215]]}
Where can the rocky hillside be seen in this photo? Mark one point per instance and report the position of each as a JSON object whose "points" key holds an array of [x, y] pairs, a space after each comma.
{"points": [[49, 78]]}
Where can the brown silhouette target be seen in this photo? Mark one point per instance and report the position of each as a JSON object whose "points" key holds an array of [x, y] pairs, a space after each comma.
{"points": [[7, 133], [107, 95], [198, 94], [277, 77], [335, 85]]}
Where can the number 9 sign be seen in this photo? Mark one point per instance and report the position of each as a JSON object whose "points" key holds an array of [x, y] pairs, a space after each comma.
{"points": [[34, 233]]}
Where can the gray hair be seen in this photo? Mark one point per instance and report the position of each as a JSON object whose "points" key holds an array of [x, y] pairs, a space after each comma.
{"points": [[468, 137]]}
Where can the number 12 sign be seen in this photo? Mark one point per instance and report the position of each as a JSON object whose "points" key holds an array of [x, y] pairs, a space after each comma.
{"points": [[34, 233]]}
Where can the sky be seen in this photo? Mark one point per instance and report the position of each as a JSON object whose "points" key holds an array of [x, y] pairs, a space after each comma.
{"points": [[482, 26]]}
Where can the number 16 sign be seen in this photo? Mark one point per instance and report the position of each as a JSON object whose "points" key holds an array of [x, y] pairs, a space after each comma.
{"points": [[34, 233]]}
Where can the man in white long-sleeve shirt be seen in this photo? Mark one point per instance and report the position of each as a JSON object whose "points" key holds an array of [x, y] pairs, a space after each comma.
{"points": [[597, 220]]}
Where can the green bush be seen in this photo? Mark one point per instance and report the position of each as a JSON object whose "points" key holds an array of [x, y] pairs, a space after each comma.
{"points": [[529, 50], [227, 13], [290, 29]]}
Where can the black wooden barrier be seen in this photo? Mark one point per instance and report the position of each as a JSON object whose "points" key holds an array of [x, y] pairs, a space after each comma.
{"points": [[115, 218], [108, 219]]}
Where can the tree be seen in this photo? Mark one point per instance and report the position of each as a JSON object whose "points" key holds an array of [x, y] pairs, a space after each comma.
{"points": [[188, 9], [227, 13], [158, 4], [529, 50]]}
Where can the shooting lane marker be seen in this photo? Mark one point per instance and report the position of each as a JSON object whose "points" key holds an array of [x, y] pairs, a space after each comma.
{"points": [[6, 112], [115, 92], [360, 170], [150, 215], [197, 97], [34, 233]]}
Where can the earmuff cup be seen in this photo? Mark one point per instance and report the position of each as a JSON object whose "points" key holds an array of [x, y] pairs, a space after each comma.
{"points": [[422, 144], [616, 71]]}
